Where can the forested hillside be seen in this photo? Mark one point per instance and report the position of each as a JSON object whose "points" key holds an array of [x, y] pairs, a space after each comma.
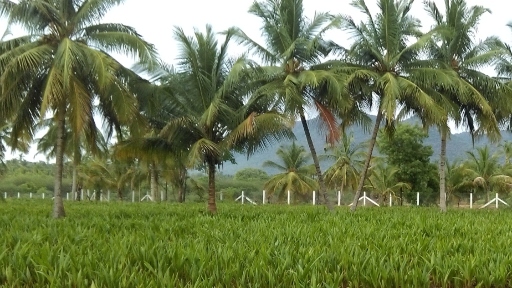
{"points": [[458, 145]]}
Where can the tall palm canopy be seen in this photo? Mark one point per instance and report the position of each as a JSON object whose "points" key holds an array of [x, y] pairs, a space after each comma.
{"points": [[214, 112], [295, 79], [384, 65], [62, 67], [503, 107], [455, 49]]}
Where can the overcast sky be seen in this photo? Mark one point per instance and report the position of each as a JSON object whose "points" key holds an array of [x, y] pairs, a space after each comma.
{"points": [[156, 19]]}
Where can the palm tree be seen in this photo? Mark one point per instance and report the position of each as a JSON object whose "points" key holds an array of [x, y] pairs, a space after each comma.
{"points": [[133, 174], [503, 67], [295, 79], [62, 67], [348, 161], [294, 172], [176, 173], [506, 152], [104, 174], [72, 150], [216, 116], [152, 151], [382, 180], [7, 141], [456, 180], [484, 169], [157, 106], [3, 134], [455, 49], [386, 69]]}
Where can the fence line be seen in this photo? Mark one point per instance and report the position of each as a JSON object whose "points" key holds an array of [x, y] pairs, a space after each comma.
{"points": [[243, 197]]}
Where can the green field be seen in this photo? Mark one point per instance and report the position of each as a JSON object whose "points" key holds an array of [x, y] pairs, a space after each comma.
{"points": [[165, 245]]}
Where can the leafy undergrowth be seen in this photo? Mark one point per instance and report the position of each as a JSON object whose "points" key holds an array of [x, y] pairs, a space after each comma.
{"points": [[160, 245]]}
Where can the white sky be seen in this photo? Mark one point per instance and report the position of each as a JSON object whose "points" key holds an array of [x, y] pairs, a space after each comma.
{"points": [[155, 21]]}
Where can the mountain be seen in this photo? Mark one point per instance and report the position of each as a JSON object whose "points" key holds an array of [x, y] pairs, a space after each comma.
{"points": [[457, 145]]}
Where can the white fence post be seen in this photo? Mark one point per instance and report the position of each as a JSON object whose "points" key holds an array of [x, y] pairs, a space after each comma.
{"points": [[43, 195], [243, 197], [314, 197], [18, 195], [133, 196], [339, 198], [497, 200], [263, 197], [470, 200], [82, 195], [67, 196], [30, 195], [5, 195], [390, 199], [288, 197], [418, 198]]}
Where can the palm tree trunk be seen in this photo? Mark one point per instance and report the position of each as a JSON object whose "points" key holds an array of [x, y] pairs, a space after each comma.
{"points": [[364, 172], [154, 182], [120, 194], [74, 183], [58, 205], [180, 194], [323, 191], [181, 185], [76, 161], [341, 192], [442, 170], [212, 207]]}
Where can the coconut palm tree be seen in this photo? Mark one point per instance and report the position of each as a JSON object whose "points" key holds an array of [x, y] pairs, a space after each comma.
{"points": [[503, 67], [295, 78], [72, 150], [506, 152], [348, 160], [384, 63], [102, 174], [457, 183], [6, 141], [382, 180], [62, 67], [294, 172], [217, 115], [157, 106], [484, 169], [467, 102], [21, 144], [152, 151], [3, 134]]}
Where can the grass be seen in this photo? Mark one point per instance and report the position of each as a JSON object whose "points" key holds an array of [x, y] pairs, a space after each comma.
{"points": [[166, 245]]}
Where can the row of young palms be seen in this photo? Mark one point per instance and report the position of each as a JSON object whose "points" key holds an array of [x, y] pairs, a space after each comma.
{"points": [[211, 105], [481, 172]]}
